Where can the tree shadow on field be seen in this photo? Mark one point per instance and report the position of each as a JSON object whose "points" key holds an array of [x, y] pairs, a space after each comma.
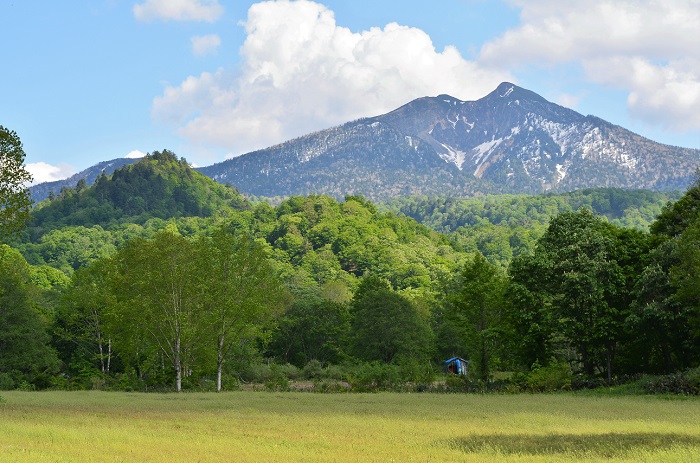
{"points": [[601, 445]]}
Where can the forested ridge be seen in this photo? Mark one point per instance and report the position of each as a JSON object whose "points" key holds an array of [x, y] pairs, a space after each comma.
{"points": [[157, 277]]}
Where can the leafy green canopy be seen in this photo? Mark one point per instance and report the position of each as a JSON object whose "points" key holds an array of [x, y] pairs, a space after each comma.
{"points": [[15, 203]]}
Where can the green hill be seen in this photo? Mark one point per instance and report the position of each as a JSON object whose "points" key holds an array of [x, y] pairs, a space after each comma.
{"points": [[158, 186]]}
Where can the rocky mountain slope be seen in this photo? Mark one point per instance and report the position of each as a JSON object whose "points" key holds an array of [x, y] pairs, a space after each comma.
{"points": [[512, 140]]}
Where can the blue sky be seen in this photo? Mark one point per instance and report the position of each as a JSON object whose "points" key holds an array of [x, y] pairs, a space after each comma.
{"points": [[91, 80]]}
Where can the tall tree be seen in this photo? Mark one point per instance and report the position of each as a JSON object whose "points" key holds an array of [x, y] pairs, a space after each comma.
{"points": [[314, 328], [658, 325], [529, 311], [576, 271], [157, 287], [85, 307], [584, 276], [239, 291], [686, 277], [387, 326], [24, 350], [15, 202], [477, 309]]}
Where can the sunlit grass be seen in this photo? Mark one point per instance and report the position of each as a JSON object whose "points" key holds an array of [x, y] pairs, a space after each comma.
{"points": [[283, 427]]}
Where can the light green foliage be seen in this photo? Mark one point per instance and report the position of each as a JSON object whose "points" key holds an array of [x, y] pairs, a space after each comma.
{"points": [[239, 292], [15, 202], [504, 226], [156, 285], [82, 331], [582, 289]]}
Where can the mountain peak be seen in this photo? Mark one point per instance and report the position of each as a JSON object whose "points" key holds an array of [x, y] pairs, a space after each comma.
{"points": [[509, 91]]}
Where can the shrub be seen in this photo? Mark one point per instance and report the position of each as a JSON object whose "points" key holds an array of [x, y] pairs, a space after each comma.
{"points": [[7, 383], [554, 377], [411, 370], [685, 383], [258, 373], [334, 372], [313, 370], [375, 376], [287, 370], [460, 383]]}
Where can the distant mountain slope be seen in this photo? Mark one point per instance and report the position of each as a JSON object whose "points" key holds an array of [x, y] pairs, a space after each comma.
{"points": [[510, 141], [42, 191]]}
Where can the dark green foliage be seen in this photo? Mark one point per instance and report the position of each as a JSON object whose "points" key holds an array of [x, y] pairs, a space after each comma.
{"points": [[575, 272], [25, 355], [677, 216], [313, 329], [387, 327], [477, 310]]}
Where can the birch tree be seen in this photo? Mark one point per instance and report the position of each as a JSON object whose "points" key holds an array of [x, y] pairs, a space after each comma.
{"points": [[240, 292], [160, 289]]}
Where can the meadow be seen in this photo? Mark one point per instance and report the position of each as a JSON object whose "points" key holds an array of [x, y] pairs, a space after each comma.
{"points": [[287, 427]]}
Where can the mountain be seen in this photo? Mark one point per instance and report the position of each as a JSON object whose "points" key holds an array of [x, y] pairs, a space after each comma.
{"points": [[510, 141], [42, 191]]}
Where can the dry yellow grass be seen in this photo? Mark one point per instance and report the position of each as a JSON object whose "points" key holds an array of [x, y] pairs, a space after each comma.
{"points": [[305, 427]]}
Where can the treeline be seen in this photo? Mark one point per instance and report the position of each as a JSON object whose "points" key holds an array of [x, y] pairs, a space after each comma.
{"points": [[339, 291], [504, 226]]}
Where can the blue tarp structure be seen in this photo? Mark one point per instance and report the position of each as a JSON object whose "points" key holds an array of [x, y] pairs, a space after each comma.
{"points": [[456, 365]]}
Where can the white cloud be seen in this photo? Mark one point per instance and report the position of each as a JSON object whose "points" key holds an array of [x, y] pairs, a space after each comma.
{"points": [[302, 72], [135, 154], [647, 47], [567, 100], [205, 44], [178, 10], [43, 172]]}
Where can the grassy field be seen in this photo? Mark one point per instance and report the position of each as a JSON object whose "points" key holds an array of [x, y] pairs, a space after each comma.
{"points": [[288, 427]]}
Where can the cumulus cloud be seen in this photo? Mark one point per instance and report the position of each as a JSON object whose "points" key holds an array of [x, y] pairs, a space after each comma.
{"points": [[205, 44], [302, 72], [43, 172], [178, 10], [647, 47]]}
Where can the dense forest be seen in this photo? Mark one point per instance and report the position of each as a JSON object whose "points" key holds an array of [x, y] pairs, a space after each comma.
{"points": [[158, 278]]}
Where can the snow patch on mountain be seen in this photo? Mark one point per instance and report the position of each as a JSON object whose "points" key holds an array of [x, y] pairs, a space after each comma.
{"points": [[481, 154], [453, 156]]}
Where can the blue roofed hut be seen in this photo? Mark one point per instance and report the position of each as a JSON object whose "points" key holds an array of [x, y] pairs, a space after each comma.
{"points": [[456, 365]]}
